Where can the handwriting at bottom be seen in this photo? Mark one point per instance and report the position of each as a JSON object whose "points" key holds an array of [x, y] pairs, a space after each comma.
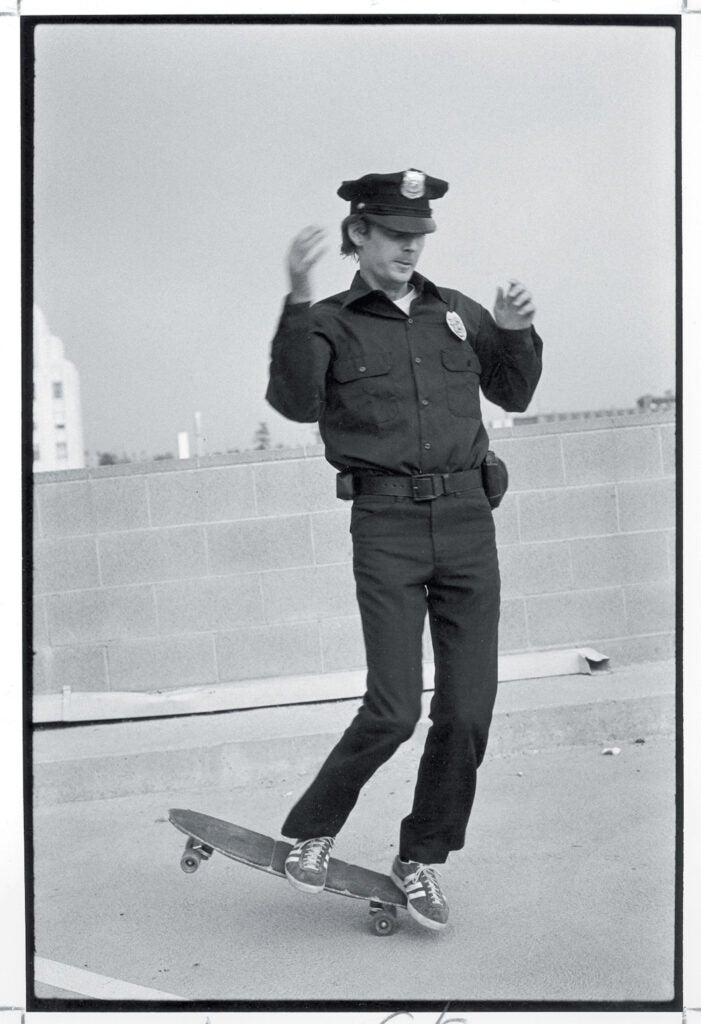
{"points": [[409, 1016]]}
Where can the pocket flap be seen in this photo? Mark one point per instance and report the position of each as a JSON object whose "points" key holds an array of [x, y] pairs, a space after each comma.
{"points": [[359, 367], [460, 359]]}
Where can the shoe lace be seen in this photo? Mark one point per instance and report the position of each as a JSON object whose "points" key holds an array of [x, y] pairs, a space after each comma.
{"points": [[429, 879], [314, 852]]}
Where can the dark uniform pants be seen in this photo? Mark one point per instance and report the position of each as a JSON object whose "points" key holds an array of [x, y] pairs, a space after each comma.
{"points": [[410, 557]]}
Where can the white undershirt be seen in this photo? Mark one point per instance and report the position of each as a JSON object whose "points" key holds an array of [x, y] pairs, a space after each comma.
{"points": [[405, 302]]}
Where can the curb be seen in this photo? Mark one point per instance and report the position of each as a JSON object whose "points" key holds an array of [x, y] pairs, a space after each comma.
{"points": [[64, 774]]}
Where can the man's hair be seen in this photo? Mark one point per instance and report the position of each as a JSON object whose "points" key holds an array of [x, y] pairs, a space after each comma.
{"points": [[348, 247]]}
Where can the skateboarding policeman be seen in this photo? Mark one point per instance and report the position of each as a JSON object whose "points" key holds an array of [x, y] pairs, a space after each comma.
{"points": [[391, 369]]}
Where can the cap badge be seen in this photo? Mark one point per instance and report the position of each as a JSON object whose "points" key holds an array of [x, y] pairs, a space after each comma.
{"points": [[456, 325], [413, 184]]}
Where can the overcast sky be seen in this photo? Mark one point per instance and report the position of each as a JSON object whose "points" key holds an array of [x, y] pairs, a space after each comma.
{"points": [[175, 162]]}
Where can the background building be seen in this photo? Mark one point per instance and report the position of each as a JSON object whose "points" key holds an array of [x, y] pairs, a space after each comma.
{"points": [[57, 419]]}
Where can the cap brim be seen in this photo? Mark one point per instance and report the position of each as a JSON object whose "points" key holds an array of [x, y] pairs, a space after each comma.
{"points": [[406, 225]]}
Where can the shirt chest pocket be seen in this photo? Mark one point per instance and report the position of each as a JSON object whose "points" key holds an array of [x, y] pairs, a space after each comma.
{"points": [[461, 374], [364, 390]]}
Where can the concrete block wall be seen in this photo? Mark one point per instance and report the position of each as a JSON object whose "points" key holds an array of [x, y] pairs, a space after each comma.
{"points": [[175, 574]]}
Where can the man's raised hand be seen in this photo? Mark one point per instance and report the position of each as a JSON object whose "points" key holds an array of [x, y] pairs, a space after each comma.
{"points": [[306, 250], [514, 310]]}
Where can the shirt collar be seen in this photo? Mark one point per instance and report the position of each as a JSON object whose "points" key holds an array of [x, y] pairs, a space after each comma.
{"points": [[360, 289]]}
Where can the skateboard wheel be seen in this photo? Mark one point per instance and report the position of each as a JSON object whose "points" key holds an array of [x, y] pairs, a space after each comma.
{"points": [[190, 861], [383, 924]]}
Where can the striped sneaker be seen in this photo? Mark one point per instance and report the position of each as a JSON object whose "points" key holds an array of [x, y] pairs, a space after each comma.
{"points": [[307, 863], [425, 901]]}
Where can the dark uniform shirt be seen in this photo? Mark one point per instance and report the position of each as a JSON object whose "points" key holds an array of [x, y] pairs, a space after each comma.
{"points": [[398, 393]]}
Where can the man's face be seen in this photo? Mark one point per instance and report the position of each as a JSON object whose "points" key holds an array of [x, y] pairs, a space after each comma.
{"points": [[387, 258]]}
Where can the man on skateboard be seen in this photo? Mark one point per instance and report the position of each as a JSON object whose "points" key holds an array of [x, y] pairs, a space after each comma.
{"points": [[391, 369]]}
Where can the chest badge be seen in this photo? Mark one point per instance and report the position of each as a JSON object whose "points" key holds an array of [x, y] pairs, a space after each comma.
{"points": [[456, 325]]}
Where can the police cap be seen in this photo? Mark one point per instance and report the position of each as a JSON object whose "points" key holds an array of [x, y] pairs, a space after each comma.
{"points": [[397, 201]]}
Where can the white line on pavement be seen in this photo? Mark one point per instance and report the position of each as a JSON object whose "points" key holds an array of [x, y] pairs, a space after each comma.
{"points": [[96, 986]]}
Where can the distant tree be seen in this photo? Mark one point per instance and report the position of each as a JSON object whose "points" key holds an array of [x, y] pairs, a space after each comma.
{"points": [[261, 437], [107, 459], [110, 459]]}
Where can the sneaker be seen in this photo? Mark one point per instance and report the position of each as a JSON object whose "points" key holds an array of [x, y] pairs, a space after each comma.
{"points": [[425, 901], [307, 863]]}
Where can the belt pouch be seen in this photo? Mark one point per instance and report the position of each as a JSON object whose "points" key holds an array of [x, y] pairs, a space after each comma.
{"points": [[495, 478], [344, 485]]}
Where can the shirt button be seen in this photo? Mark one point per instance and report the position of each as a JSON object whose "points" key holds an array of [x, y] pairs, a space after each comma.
{"points": [[427, 445], [410, 321], [417, 359], [424, 401], [362, 369]]}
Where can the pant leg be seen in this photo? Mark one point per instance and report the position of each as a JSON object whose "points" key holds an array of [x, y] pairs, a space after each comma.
{"points": [[463, 600], [392, 559]]}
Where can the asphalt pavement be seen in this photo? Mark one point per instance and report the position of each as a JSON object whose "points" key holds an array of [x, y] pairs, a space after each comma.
{"points": [[564, 891]]}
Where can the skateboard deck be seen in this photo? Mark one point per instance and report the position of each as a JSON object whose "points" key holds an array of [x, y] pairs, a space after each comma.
{"points": [[207, 835]]}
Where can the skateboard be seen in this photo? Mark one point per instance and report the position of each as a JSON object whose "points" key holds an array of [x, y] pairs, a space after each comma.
{"points": [[207, 835]]}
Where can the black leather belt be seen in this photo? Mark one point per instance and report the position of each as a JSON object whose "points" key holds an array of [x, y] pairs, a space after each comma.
{"points": [[422, 487]]}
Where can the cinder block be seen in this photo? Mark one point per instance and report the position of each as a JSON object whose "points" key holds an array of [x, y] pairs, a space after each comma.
{"points": [[513, 630], [621, 558], [297, 594], [637, 650], [671, 553], [332, 539], [533, 462], [91, 615], [82, 668], [572, 512], [161, 664], [668, 437], [145, 556], [215, 604], [277, 650], [600, 456], [320, 484], [41, 676], [342, 644], [202, 495], [40, 627], [281, 488], [65, 509], [647, 505], [254, 544], [120, 503], [535, 568], [575, 618], [65, 563], [506, 520], [650, 607]]}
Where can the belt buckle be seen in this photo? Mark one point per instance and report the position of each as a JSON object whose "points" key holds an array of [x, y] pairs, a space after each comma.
{"points": [[423, 486]]}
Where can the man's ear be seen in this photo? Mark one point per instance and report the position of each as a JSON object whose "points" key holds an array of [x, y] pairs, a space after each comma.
{"points": [[357, 233]]}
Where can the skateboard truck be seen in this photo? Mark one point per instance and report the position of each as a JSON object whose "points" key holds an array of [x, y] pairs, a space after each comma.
{"points": [[383, 917], [195, 853]]}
